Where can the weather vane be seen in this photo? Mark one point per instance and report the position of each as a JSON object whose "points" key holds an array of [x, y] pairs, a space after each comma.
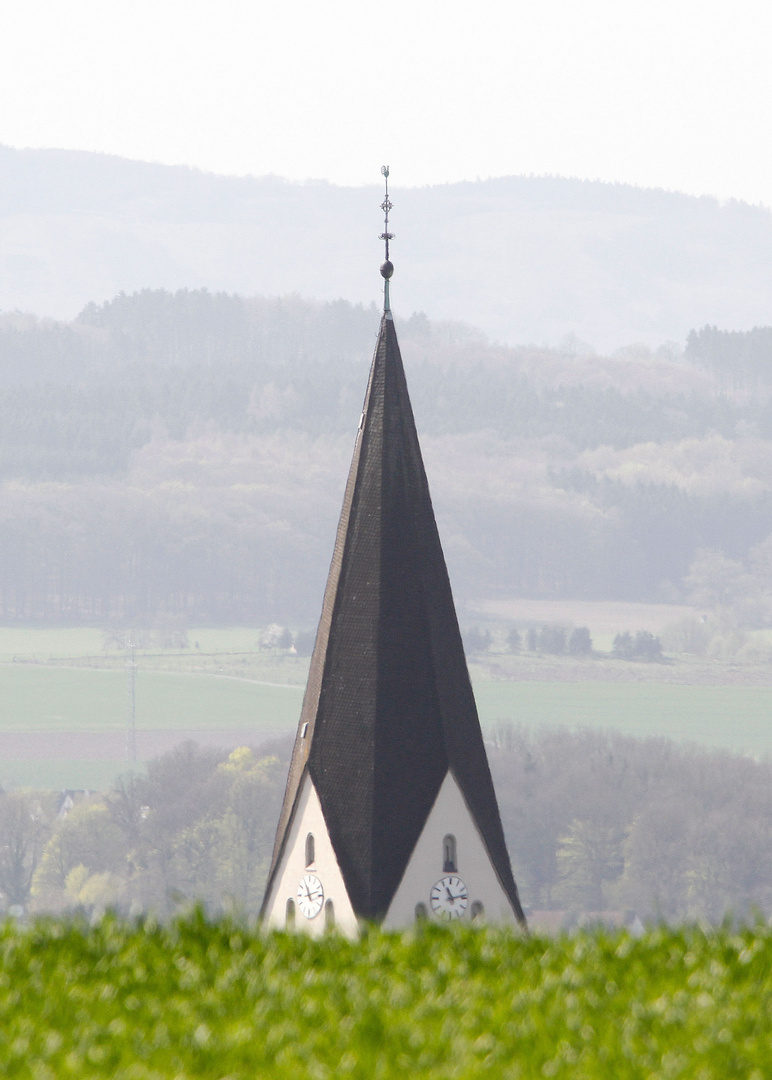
{"points": [[387, 269]]}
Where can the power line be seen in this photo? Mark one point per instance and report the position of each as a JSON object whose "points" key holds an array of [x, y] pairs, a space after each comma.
{"points": [[131, 701]]}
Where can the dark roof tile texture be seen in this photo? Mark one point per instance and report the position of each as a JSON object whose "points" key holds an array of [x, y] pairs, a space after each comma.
{"points": [[389, 704]]}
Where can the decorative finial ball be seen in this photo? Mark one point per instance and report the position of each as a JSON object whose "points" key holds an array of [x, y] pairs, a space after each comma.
{"points": [[387, 269]]}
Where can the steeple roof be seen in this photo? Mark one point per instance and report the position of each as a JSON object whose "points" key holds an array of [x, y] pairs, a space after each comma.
{"points": [[388, 708]]}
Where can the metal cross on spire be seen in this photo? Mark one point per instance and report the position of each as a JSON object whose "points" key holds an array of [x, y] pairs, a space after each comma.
{"points": [[387, 269]]}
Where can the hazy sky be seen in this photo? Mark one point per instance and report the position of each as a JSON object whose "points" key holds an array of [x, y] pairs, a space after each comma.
{"points": [[671, 93]]}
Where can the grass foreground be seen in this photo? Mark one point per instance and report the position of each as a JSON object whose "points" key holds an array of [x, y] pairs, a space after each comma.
{"points": [[214, 1000]]}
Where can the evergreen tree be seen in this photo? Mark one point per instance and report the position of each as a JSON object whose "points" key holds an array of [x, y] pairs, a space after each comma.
{"points": [[580, 642], [552, 639]]}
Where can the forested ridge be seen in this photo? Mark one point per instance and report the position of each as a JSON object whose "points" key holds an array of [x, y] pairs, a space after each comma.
{"points": [[187, 452], [78, 398]]}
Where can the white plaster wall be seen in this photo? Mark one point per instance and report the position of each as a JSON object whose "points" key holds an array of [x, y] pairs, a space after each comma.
{"points": [[309, 819], [449, 815]]}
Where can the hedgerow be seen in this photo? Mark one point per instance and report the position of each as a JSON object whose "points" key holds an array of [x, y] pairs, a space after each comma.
{"points": [[199, 999]]}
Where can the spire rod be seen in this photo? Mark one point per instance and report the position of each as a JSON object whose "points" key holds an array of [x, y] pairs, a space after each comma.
{"points": [[387, 269]]}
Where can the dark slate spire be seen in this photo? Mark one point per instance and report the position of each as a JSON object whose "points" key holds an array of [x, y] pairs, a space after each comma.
{"points": [[388, 708]]}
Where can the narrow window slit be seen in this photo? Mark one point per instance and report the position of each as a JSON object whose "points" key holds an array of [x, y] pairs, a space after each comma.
{"points": [[449, 855]]}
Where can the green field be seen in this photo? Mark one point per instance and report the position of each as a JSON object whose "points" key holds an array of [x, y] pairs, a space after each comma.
{"points": [[58, 774], [37, 698], [216, 1001], [59, 642], [730, 717], [61, 681]]}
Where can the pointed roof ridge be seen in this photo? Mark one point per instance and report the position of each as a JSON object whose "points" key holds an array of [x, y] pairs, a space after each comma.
{"points": [[388, 709]]}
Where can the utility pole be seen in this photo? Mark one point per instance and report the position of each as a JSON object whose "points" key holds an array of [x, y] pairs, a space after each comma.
{"points": [[131, 701]]}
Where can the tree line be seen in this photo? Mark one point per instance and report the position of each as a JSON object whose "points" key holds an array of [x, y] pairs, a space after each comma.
{"points": [[77, 399], [594, 821], [742, 359], [598, 821], [198, 826], [190, 533]]}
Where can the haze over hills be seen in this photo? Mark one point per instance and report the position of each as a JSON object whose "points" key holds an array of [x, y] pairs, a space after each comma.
{"points": [[525, 259], [186, 453]]}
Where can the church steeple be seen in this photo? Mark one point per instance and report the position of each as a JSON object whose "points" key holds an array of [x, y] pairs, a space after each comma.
{"points": [[389, 718]]}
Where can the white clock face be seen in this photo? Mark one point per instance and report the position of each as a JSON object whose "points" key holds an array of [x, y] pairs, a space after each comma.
{"points": [[449, 897], [310, 895]]}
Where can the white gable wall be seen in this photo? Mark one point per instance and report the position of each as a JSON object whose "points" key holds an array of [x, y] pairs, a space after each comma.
{"points": [[449, 814], [309, 819]]}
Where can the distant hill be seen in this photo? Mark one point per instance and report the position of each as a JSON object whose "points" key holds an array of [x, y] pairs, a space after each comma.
{"points": [[525, 259], [186, 454]]}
